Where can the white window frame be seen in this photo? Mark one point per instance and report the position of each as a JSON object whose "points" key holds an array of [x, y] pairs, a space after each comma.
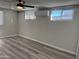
{"points": [[61, 17], [29, 15]]}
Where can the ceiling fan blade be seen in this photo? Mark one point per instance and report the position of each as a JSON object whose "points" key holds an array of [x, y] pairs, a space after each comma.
{"points": [[29, 6]]}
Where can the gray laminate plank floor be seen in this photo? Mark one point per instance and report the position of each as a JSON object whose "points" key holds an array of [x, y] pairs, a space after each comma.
{"points": [[21, 48]]}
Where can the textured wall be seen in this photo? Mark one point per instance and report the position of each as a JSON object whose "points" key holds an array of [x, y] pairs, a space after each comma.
{"points": [[10, 23], [61, 34]]}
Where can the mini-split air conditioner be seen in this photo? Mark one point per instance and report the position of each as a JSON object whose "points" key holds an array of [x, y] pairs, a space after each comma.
{"points": [[42, 13]]}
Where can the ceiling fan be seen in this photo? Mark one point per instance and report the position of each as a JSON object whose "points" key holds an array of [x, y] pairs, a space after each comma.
{"points": [[21, 5]]}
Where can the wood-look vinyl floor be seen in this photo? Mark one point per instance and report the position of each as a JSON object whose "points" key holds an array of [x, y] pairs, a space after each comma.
{"points": [[21, 48]]}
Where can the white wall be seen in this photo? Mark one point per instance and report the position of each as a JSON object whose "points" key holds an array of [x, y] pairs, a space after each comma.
{"points": [[10, 19], [10, 23], [60, 34]]}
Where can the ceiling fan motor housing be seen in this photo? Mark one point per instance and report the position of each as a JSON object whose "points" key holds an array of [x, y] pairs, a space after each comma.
{"points": [[20, 4]]}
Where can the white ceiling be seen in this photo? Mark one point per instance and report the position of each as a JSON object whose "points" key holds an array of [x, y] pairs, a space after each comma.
{"points": [[8, 0], [51, 3], [48, 3]]}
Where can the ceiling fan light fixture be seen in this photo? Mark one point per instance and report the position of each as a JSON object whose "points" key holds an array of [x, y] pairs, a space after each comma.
{"points": [[20, 6]]}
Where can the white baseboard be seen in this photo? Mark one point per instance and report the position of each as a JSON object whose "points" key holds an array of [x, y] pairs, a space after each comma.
{"points": [[58, 48], [9, 36]]}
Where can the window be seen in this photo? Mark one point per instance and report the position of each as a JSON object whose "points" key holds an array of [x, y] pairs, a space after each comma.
{"points": [[62, 14], [30, 15], [1, 17], [27, 15]]}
